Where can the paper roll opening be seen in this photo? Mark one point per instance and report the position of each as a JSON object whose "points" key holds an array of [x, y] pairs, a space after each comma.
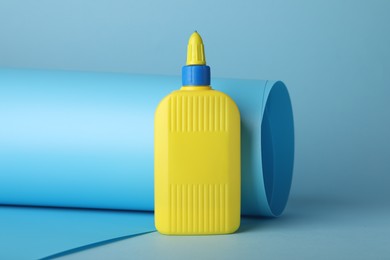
{"points": [[277, 147]]}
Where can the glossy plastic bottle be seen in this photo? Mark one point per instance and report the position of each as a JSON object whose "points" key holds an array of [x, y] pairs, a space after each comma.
{"points": [[197, 155]]}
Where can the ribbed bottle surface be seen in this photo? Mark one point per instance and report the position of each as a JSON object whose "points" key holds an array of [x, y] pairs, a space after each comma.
{"points": [[198, 113], [199, 208]]}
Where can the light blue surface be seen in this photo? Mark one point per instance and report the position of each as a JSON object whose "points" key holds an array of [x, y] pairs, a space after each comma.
{"points": [[311, 228], [86, 139], [32, 233]]}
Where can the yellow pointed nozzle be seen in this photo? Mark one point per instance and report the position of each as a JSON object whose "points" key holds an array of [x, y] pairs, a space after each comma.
{"points": [[195, 50]]}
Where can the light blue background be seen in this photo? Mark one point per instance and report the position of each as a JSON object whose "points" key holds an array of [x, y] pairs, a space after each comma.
{"points": [[334, 57]]}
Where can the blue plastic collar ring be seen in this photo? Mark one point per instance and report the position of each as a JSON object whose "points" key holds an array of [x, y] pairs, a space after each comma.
{"points": [[196, 75]]}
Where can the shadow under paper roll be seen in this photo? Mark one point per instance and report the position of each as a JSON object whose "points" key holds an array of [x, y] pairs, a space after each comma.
{"points": [[78, 139]]}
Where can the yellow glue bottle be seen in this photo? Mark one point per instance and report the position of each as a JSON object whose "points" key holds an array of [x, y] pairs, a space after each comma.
{"points": [[197, 155]]}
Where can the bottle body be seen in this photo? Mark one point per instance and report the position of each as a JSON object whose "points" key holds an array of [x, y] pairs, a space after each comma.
{"points": [[197, 163]]}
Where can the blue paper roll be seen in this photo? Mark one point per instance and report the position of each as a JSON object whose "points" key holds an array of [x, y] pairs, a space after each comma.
{"points": [[78, 139]]}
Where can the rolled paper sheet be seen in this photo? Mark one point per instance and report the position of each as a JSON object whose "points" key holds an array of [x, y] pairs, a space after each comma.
{"points": [[80, 139]]}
